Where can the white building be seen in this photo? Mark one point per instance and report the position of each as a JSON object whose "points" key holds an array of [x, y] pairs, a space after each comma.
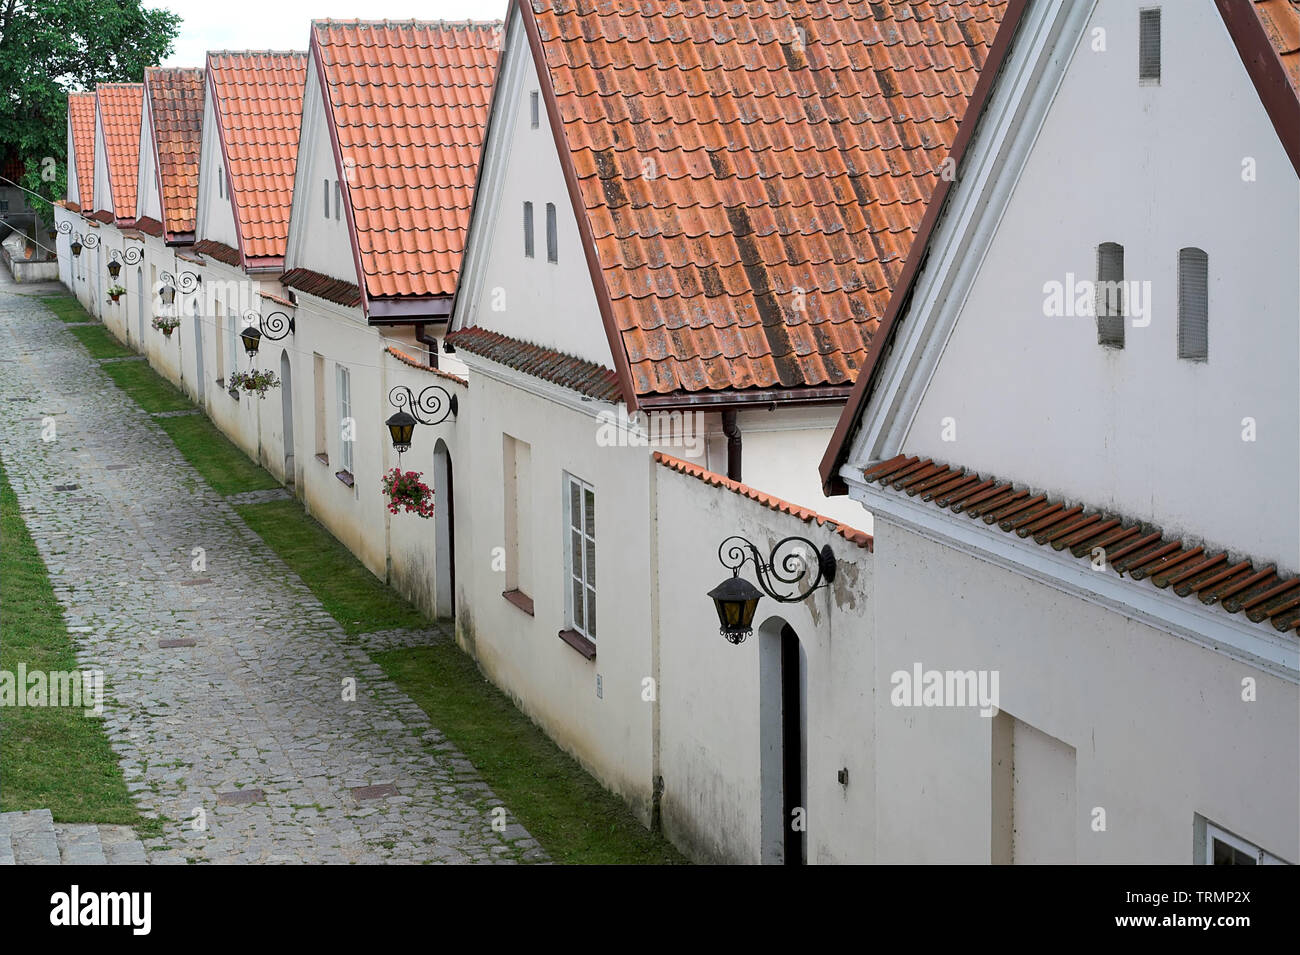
{"points": [[1132, 579]]}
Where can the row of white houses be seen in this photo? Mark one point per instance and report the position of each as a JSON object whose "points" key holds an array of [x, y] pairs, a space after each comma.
{"points": [[649, 266]]}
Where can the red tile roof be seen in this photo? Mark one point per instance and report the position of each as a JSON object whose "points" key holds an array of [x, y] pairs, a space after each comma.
{"points": [[409, 103], [119, 106], [406, 359], [753, 173], [861, 538], [81, 113], [217, 250], [1267, 36], [1137, 549], [584, 377], [1281, 22], [258, 100], [176, 104], [322, 286]]}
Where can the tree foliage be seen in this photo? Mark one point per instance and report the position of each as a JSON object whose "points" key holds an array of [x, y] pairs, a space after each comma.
{"points": [[49, 48]]}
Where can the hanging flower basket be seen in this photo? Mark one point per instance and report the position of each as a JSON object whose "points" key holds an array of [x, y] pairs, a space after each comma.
{"points": [[116, 292], [254, 381], [404, 489], [166, 324]]}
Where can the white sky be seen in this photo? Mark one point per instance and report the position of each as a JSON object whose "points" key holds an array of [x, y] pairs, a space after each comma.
{"points": [[284, 24]]}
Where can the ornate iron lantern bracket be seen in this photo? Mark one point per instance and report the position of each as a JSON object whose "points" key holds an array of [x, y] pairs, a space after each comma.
{"points": [[430, 407], [274, 327], [184, 282], [795, 562], [128, 256]]}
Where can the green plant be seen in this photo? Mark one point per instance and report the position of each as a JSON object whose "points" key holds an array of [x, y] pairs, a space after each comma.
{"points": [[255, 380]]}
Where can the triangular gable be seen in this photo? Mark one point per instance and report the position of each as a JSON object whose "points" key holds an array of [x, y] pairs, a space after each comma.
{"points": [[148, 195], [878, 402], [172, 133], [499, 289], [81, 150], [214, 210], [117, 135], [320, 245]]}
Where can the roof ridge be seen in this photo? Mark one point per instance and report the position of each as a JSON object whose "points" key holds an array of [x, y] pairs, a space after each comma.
{"points": [[212, 53], [770, 501], [441, 23], [406, 359]]}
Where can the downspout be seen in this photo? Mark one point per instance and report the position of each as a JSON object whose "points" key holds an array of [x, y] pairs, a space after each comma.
{"points": [[428, 341], [731, 428]]}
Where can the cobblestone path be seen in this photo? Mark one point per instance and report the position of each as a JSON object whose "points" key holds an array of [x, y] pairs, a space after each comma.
{"points": [[224, 696]]}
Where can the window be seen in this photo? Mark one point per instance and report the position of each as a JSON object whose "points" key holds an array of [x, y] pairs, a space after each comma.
{"points": [[516, 463], [1193, 305], [346, 425], [221, 184], [528, 230], [534, 112], [338, 199], [580, 553], [1110, 294], [318, 388], [552, 253], [232, 324], [1149, 46], [1224, 848], [326, 184]]}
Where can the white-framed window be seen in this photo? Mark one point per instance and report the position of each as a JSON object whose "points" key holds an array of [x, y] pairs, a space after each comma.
{"points": [[1110, 294], [1224, 848], [338, 199], [1149, 46], [232, 336], [221, 184], [1193, 304], [552, 238], [580, 556], [534, 110], [346, 424], [528, 230], [326, 194]]}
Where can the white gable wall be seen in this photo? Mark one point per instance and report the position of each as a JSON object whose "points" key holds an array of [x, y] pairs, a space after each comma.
{"points": [[216, 215], [548, 303], [1138, 430], [74, 189], [103, 194], [315, 241], [148, 202]]}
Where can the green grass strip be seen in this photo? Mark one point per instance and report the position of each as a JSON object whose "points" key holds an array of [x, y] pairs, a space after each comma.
{"points": [[52, 758], [574, 818], [151, 391], [356, 598], [226, 468], [99, 341], [65, 307]]}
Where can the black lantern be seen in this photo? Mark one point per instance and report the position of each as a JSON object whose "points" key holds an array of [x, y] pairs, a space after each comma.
{"points": [[252, 336], [402, 427], [76, 249], [793, 560], [114, 268], [168, 294], [735, 599]]}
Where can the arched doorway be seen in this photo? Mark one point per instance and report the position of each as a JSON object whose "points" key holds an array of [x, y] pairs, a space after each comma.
{"points": [[197, 324], [286, 412], [783, 736], [444, 529], [139, 302]]}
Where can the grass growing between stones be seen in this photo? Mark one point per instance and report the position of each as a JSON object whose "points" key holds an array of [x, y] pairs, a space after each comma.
{"points": [[573, 817], [99, 341], [50, 757], [356, 598], [223, 465], [151, 391], [65, 307]]}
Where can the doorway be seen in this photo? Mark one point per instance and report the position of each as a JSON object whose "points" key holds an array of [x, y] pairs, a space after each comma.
{"points": [[783, 735], [286, 411], [139, 303], [198, 346], [444, 520]]}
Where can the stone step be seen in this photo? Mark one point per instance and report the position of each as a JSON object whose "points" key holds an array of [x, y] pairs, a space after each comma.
{"points": [[32, 836], [6, 840], [121, 847], [79, 844]]}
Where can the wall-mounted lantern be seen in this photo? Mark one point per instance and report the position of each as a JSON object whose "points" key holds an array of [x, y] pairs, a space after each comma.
{"points": [[89, 240], [274, 327], [431, 407], [187, 282], [130, 255], [792, 572]]}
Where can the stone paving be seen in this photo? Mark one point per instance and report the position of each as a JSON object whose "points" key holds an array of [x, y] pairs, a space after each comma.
{"points": [[226, 680]]}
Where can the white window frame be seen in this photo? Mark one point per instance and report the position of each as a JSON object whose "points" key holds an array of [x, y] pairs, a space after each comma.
{"points": [[588, 547], [1213, 832], [343, 395]]}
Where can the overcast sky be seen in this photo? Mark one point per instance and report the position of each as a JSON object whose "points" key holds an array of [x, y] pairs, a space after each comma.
{"points": [[283, 24]]}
